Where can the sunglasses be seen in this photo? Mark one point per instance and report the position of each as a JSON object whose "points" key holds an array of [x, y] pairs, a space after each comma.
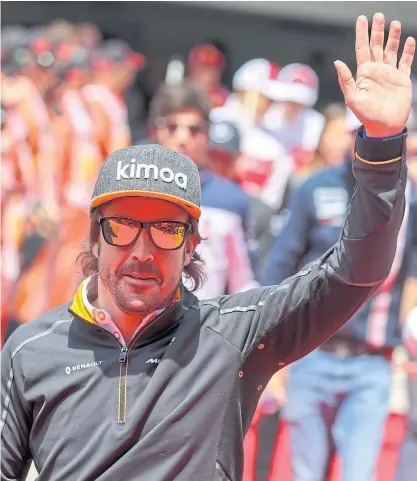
{"points": [[164, 234], [172, 127]]}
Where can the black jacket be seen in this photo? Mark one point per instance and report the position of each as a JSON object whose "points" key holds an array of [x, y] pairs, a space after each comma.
{"points": [[178, 404]]}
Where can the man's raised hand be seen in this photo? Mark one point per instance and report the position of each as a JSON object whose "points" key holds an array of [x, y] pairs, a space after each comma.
{"points": [[381, 95]]}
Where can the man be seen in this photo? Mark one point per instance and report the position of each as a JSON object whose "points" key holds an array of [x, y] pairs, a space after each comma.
{"points": [[263, 166], [141, 380], [264, 222], [206, 65], [338, 396], [114, 67], [179, 120], [293, 120]]}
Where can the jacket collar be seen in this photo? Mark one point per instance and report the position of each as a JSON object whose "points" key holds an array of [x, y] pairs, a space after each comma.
{"points": [[161, 320]]}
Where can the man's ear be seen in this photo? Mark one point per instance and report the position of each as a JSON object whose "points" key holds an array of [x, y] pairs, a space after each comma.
{"points": [[190, 247]]}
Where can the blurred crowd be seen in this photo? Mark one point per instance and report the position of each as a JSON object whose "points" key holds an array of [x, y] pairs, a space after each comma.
{"points": [[276, 183]]}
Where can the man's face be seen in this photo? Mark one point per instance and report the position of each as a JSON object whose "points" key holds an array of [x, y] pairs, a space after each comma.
{"points": [[141, 277], [185, 132], [206, 76]]}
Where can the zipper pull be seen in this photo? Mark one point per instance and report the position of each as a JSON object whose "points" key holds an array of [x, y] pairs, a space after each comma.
{"points": [[123, 354]]}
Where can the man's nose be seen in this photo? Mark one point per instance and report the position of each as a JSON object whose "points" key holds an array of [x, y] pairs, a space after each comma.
{"points": [[182, 134], [143, 248]]}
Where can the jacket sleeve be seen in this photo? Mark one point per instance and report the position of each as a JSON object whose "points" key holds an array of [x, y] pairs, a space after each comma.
{"points": [[291, 245], [15, 421], [286, 322]]}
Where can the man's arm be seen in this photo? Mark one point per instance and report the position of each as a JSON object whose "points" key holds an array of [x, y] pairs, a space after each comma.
{"points": [[15, 421], [291, 245], [294, 318], [288, 321]]}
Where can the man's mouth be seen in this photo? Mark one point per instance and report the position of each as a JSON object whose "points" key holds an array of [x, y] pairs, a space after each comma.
{"points": [[141, 277]]}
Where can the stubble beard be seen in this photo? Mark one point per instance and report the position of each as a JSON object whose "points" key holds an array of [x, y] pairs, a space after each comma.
{"points": [[135, 302]]}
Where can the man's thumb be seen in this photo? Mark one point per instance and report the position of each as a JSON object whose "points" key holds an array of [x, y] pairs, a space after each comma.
{"points": [[346, 81]]}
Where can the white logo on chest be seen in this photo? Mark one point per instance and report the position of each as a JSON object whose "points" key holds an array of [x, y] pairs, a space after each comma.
{"points": [[153, 361], [78, 367], [145, 171]]}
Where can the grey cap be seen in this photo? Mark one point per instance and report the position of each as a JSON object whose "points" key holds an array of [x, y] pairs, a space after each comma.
{"points": [[225, 136], [149, 171]]}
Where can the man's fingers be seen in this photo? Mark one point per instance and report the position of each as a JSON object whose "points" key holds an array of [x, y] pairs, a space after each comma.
{"points": [[407, 57], [377, 38], [346, 81], [362, 41], [393, 42]]}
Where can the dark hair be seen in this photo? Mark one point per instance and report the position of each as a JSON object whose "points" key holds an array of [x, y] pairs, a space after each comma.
{"points": [[170, 99], [89, 262]]}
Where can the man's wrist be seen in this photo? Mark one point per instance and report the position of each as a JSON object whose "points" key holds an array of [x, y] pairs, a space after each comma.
{"points": [[379, 149], [387, 134]]}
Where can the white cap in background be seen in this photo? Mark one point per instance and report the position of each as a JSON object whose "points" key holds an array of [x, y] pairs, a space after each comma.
{"points": [[257, 75], [297, 83]]}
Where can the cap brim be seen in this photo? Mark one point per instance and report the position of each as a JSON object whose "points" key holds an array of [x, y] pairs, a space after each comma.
{"points": [[288, 92], [192, 209]]}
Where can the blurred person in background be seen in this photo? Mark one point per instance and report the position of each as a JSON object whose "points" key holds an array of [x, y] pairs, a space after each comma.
{"points": [[89, 36], [81, 161], [264, 222], [62, 31], [292, 118], [114, 65], [14, 208], [30, 187], [338, 396], [82, 154], [406, 467], [334, 141], [206, 65], [263, 167], [28, 115], [179, 120], [331, 150]]}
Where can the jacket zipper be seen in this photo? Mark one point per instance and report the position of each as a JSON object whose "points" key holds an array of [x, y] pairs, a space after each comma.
{"points": [[122, 385], [123, 362], [122, 393], [122, 390]]}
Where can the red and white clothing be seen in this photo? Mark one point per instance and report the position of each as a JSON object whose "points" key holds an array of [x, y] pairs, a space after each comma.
{"points": [[296, 83], [300, 135], [264, 166], [225, 254]]}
